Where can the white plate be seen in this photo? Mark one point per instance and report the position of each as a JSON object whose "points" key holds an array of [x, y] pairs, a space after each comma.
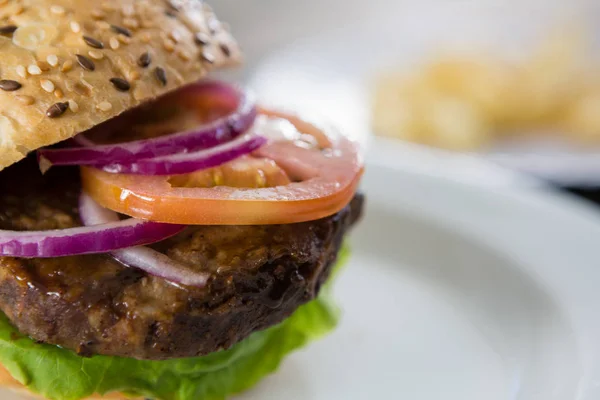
{"points": [[458, 291]]}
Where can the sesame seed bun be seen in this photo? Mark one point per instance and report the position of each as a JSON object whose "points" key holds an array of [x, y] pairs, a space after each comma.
{"points": [[10, 383], [68, 65]]}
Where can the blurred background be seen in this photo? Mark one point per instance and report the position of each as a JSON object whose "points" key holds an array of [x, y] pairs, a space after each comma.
{"points": [[503, 94], [516, 83]]}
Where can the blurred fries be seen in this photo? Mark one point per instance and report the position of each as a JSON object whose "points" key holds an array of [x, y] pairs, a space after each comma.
{"points": [[469, 102]]}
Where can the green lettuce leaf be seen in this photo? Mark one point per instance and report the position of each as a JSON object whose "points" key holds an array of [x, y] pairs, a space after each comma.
{"points": [[60, 374]]}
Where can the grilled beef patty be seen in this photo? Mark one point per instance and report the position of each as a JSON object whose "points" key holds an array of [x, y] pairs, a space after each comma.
{"points": [[95, 305]]}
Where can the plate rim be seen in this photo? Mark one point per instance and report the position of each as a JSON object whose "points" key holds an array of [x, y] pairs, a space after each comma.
{"points": [[518, 194]]}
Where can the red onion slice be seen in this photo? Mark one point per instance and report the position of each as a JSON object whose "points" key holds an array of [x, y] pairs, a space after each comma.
{"points": [[204, 137], [84, 240], [144, 258], [189, 162]]}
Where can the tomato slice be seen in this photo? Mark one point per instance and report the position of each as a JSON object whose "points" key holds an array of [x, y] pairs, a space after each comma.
{"points": [[323, 181], [249, 172]]}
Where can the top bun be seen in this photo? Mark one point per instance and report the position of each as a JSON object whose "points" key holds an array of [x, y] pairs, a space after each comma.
{"points": [[68, 65]]}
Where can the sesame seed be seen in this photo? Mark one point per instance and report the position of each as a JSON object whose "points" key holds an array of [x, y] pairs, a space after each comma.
{"points": [[44, 66], [128, 10], [56, 110], [120, 84], [161, 75], [172, 5], [169, 45], [59, 94], [104, 106], [133, 75], [97, 14], [9, 86], [213, 25], [21, 71], [103, 25], [107, 6], [225, 49], [114, 43], [52, 60], [19, 10], [90, 41], [47, 85], [8, 29], [75, 27], [73, 106], [124, 39], [86, 63], [121, 30], [184, 55], [208, 57], [34, 69], [96, 55], [176, 36], [145, 60], [67, 66], [146, 37], [141, 92], [201, 38], [131, 23], [81, 89], [69, 84], [58, 10], [87, 84], [27, 100], [147, 24]]}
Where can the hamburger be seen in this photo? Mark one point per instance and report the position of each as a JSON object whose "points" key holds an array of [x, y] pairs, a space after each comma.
{"points": [[161, 235]]}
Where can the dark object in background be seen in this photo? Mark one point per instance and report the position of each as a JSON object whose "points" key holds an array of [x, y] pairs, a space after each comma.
{"points": [[589, 193]]}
